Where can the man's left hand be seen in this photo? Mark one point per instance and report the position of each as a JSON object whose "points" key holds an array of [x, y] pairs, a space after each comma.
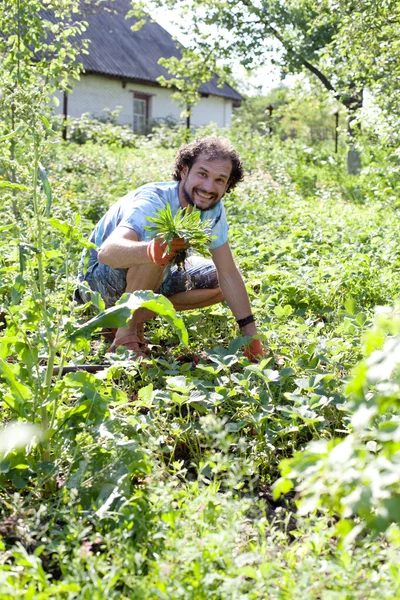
{"points": [[254, 351]]}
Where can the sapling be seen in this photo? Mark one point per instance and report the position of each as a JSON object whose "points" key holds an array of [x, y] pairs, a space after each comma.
{"points": [[186, 225]]}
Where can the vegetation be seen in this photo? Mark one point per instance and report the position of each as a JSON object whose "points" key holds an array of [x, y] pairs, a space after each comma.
{"points": [[185, 225], [349, 48], [201, 475], [158, 482]]}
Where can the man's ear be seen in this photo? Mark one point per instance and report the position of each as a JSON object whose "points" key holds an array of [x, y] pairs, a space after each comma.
{"points": [[184, 171]]}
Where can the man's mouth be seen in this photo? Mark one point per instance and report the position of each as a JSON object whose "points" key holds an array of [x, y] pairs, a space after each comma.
{"points": [[204, 195]]}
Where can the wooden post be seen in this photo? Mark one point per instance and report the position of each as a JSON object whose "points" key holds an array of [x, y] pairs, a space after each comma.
{"points": [[270, 110], [65, 113], [188, 113], [336, 131]]}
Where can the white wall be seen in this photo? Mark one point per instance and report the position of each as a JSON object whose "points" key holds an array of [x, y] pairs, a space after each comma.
{"points": [[212, 109], [93, 93]]}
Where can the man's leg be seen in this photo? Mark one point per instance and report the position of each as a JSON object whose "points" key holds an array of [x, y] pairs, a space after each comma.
{"points": [[200, 277], [196, 287], [149, 277], [139, 277]]}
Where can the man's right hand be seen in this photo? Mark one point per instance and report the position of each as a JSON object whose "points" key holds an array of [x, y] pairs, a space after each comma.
{"points": [[254, 351], [156, 250]]}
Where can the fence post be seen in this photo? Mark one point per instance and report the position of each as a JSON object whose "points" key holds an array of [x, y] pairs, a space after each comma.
{"points": [[336, 131], [270, 109]]}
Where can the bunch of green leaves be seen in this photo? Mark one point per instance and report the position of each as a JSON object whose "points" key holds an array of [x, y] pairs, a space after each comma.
{"points": [[186, 225], [358, 476]]}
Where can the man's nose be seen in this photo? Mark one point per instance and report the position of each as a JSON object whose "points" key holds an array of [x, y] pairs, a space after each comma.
{"points": [[208, 184]]}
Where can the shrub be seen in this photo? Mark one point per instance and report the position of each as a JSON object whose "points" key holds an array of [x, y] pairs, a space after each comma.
{"points": [[88, 129]]}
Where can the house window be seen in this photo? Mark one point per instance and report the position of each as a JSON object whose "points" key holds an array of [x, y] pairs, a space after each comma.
{"points": [[139, 115], [141, 111]]}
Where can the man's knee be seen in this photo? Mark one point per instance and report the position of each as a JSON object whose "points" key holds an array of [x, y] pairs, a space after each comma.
{"points": [[110, 283]]}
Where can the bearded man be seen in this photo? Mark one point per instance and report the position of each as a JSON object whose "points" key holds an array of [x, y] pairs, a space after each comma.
{"points": [[128, 260]]}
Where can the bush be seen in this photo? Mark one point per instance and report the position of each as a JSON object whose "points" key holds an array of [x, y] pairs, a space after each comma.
{"points": [[87, 128]]}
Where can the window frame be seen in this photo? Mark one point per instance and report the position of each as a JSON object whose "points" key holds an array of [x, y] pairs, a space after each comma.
{"points": [[146, 98]]}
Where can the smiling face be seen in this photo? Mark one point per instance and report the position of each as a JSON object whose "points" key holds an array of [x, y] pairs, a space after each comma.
{"points": [[204, 184]]}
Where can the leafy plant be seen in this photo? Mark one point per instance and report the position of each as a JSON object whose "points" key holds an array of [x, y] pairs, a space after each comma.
{"points": [[118, 315], [358, 476], [186, 225], [156, 482]]}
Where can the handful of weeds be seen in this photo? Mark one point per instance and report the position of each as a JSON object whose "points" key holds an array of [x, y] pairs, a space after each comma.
{"points": [[186, 225]]}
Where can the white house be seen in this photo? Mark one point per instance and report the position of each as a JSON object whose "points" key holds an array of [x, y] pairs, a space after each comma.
{"points": [[121, 70]]}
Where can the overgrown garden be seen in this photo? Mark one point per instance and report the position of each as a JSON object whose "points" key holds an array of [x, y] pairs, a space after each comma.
{"points": [[199, 475]]}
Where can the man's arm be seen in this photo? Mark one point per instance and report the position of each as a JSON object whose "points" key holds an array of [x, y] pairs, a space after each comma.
{"points": [[122, 249], [232, 286]]}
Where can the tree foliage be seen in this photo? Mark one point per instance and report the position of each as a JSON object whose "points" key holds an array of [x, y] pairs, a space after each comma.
{"points": [[348, 46], [39, 54]]}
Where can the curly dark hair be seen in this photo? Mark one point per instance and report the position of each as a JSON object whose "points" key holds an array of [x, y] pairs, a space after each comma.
{"points": [[213, 148]]}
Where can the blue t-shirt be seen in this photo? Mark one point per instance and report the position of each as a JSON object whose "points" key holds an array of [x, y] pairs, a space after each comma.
{"points": [[134, 209]]}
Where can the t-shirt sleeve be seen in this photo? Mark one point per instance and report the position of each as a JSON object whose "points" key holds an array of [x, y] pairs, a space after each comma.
{"points": [[219, 229], [135, 215]]}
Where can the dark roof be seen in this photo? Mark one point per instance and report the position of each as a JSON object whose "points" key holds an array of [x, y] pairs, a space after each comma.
{"points": [[115, 50]]}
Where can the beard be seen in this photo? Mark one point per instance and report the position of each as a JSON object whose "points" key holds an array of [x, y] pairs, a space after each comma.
{"points": [[191, 202]]}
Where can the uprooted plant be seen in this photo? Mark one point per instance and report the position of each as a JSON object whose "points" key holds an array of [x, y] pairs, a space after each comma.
{"points": [[186, 225]]}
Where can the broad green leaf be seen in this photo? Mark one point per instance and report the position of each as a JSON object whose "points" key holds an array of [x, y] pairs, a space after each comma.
{"points": [[118, 315], [18, 391], [46, 123], [92, 387], [178, 398], [18, 289], [282, 486], [8, 136], [177, 384], [5, 343], [145, 395]]}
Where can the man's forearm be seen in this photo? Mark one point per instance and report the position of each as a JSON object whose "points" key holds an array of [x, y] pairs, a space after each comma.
{"points": [[235, 293], [123, 253]]}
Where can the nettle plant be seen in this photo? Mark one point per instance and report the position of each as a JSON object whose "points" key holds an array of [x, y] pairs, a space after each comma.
{"points": [[358, 477], [40, 332]]}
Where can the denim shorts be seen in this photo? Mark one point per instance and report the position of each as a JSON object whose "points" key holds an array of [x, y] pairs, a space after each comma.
{"points": [[111, 283]]}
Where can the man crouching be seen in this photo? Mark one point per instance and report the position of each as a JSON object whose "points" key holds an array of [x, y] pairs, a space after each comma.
{"points": [[127, 260]]}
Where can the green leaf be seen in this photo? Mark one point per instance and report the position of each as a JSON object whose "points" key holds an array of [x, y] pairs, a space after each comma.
{"points": [[145, 395], [46, 124], [17, 290], [118, 315], [282, 486], [12, 186], [92, 387], [178, 383], [12, 134], [46, 186], [19, 392]]}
